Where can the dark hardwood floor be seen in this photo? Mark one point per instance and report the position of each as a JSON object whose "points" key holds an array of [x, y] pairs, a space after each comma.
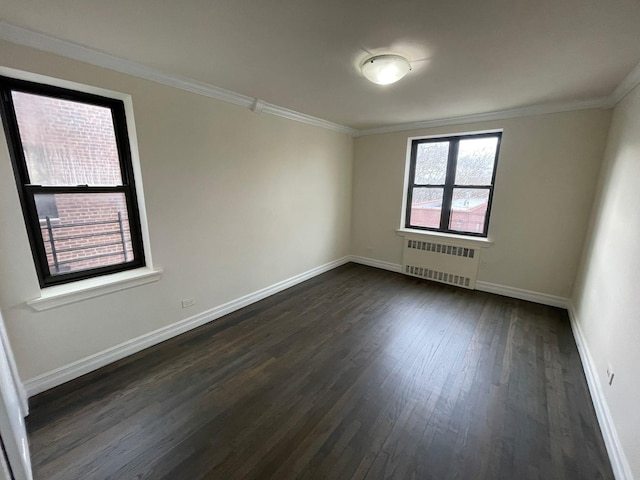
{"points": [[357, 373]]}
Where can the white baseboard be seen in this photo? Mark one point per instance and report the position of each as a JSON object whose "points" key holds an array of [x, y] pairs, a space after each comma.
{"points": [[81, 367], [617, 457], [372, 262], [529, 295]]}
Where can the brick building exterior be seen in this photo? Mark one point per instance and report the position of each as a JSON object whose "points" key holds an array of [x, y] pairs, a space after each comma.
{"points": [[71, 143], [464, 218]]}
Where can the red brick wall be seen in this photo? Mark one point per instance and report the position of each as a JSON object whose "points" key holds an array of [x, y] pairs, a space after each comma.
{"points": [[471, 220], [71, 143], [67, 143], [81, 209]]}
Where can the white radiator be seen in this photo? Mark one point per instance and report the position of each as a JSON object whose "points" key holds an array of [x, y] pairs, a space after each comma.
{"points": [[441, 262]]}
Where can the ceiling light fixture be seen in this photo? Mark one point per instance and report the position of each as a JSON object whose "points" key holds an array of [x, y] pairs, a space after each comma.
{"points": [[385, 69]]}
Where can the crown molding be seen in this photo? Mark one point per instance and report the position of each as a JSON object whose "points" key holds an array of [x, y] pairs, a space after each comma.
{"points": [[603, 102], [47, 43], [630, 82], [75, 51], [40, 41], [303, 118]]}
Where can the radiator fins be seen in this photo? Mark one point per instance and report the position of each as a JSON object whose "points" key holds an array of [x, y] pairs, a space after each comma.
{"points": [[441, 262], [441, 248], [438, 276]]}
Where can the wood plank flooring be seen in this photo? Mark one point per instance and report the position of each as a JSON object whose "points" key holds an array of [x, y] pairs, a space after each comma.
{"points": [[356, 374]]}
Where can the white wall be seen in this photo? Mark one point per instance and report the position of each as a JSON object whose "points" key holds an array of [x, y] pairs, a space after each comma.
{"points": [[606, 301], [235, 201], [546, 175]]}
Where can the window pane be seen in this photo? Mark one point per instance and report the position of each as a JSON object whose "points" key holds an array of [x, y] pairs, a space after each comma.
{"points": [[469, 209], [87, 232], [426, 207], [431, 163], [476, 158], [66, 142], [46, 206]]}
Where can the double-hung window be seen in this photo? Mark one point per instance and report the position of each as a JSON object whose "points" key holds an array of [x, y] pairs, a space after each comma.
{"points": [[72, 164], [450, 183]]}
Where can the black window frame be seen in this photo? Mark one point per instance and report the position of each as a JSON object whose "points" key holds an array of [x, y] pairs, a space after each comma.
{"points": [[27, 191], [449, 185]]}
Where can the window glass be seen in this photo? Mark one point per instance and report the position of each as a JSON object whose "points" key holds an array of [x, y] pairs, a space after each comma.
{"points": [[92, 230], [431, 163], [65, 142], [475, 161], [426, 207], [468, 209], [46, 206]]}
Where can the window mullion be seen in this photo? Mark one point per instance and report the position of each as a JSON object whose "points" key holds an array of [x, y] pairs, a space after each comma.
{"points": [[472, 187], [53, 189], [447, 195]]}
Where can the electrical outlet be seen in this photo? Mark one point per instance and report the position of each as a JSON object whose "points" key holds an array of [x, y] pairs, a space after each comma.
{"points": [[484, 265], [188, 302], [610, 374], [369, 249]]}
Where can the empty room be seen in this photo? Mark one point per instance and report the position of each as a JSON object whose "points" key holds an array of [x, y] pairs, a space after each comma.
{"points": [[319, 240]]}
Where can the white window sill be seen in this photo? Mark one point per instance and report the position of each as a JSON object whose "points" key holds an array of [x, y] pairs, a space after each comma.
{"points": [[458, 240], [52, 297]]}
